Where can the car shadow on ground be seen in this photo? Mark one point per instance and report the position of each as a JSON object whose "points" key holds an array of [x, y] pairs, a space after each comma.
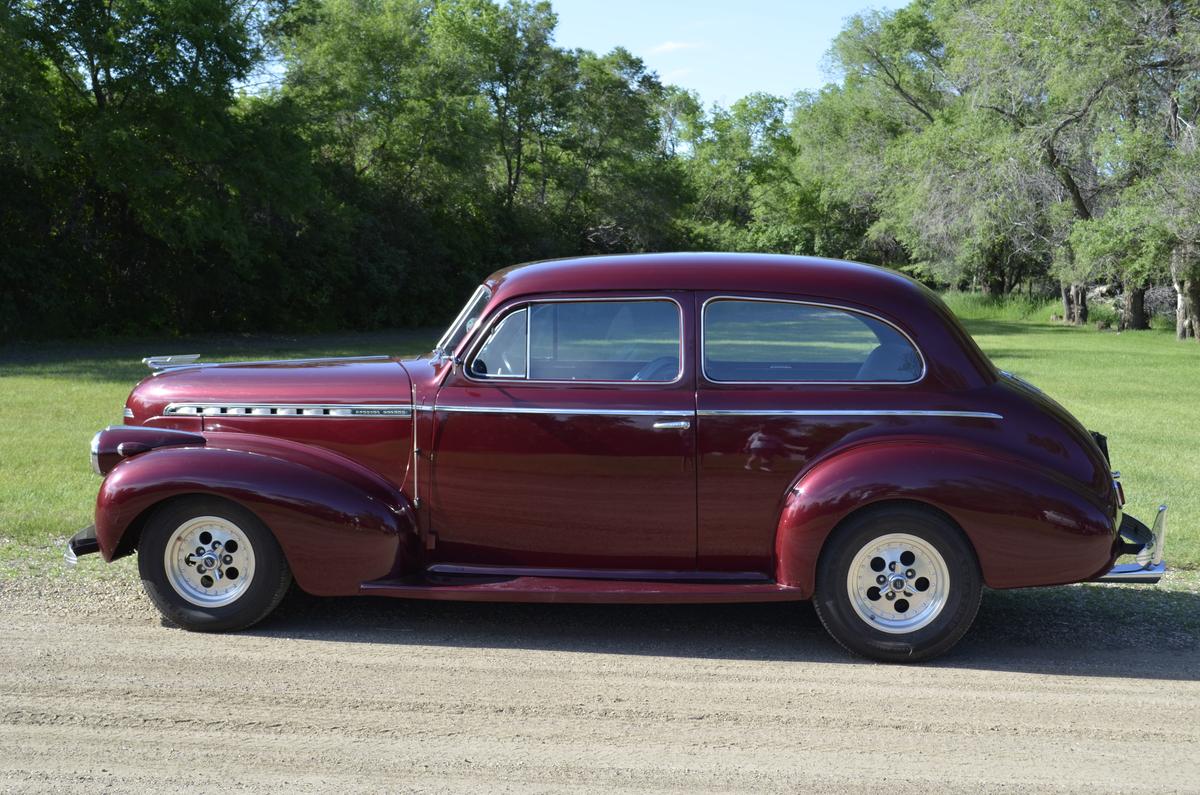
{"points": [[1092, 630]]}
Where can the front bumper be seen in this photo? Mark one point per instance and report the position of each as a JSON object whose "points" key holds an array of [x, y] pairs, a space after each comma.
{"points": [[1146, 545], [82, 543]]}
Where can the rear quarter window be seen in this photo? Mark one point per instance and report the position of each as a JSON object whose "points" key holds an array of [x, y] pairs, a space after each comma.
{"points": [[764, 341]]}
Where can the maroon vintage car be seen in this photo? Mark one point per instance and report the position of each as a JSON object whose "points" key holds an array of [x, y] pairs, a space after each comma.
{"points": [[654, 428]]}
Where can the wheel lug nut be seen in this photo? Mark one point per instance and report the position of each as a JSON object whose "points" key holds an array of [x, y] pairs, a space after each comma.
{"points": [[890, 595], [881, 579], [227, 559], [910, 574]]}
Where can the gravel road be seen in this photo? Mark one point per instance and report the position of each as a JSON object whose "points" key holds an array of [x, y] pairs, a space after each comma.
{"points": [[1068, 689]]}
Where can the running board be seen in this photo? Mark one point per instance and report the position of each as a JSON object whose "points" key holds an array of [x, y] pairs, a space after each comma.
{"points": [[572, 590]]}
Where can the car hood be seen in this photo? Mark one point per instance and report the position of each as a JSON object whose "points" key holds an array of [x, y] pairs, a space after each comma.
{"points": [[357, 380]]}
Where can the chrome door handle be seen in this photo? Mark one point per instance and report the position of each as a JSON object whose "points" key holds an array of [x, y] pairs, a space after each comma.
{"points": [[672, 425]]}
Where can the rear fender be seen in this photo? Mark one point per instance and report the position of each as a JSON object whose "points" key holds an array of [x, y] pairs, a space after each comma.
{"points": [[338, 524], [1029, 526]]}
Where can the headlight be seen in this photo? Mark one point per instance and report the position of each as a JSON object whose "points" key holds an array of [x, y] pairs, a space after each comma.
{"points": [[96, 453]]}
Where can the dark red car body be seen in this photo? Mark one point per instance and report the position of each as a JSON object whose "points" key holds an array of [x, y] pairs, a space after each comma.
{"points": [[412, 478]]}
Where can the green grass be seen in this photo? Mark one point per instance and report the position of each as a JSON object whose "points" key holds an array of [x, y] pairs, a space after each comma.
{"points": [[1139, 388]]}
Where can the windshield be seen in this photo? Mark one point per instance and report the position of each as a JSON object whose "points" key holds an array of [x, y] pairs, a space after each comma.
{"points": [[465, 321]]}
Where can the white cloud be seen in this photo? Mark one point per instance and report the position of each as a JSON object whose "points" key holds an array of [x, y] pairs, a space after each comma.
{"points": [[673, 46]]}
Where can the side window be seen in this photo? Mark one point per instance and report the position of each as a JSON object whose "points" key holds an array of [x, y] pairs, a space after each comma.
{"points": [[778, 341], [503, 353], [622, 340], [635, 340]]}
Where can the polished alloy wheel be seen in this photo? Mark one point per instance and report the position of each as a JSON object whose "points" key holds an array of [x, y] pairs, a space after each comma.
{"points": [[209, 561], [898, 583]]}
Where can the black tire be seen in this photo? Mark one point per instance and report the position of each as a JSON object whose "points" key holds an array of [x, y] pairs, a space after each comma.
{"points": [[833, 600], [267, 585]]}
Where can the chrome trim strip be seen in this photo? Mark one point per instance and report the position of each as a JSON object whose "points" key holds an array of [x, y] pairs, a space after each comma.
{"points": [[289, 410], [170, 360], [582, 412], [840, 308], [287, 362], [979, 415], [473, 348]]}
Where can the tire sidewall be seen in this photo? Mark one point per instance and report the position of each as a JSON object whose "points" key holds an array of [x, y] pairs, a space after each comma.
{"points": [[832, 598], [271, 573]]}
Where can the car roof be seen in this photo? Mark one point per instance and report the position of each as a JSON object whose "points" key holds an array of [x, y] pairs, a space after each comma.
{"points": [[704, 271], [953, 355]]}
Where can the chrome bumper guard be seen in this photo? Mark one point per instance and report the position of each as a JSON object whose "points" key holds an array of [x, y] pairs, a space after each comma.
{"points": [[82, 543], [1146, 545]]}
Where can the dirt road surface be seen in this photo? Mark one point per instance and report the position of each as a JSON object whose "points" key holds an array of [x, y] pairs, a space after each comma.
{"points": [[1070, 689]]}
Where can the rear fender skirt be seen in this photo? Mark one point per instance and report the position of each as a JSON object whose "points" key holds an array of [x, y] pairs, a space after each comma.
{"points": [[338, 525], [1027, 526]]}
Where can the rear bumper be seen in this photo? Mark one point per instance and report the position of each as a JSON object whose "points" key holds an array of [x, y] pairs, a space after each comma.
{"points": [[82, 543], [1146, 544]]}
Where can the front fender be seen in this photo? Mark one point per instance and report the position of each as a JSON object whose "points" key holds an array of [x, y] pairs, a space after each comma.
{"points": [[337, 523], [1029, 526]]}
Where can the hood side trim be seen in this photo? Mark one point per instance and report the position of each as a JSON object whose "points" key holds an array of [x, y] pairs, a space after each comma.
{"points": [[289, 410]]}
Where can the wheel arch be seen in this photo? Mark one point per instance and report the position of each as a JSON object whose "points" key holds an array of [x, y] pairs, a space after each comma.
{"points": [[337, 529], [890, 503], [131, 538], [1004, 507]]}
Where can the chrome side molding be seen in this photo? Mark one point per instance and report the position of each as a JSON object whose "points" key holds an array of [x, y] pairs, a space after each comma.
{"points": [[292, 410], [974, 415]]}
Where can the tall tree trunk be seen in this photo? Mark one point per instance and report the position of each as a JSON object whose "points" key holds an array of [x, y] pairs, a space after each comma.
{"points": [[1133, 309], [1081, 307], [1191, 296], [1182, 263], [1075, 308]]}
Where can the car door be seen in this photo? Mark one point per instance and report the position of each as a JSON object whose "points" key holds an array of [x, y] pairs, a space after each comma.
{"points": [[566, 438]]}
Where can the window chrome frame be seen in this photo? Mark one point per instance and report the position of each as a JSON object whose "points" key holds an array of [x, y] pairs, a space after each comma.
{"points": [[819, 305], [503, 312], [460, 318], [476, 350]]}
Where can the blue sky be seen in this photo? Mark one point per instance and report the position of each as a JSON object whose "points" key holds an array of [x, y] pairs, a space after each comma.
{"points": [[724, 49]]}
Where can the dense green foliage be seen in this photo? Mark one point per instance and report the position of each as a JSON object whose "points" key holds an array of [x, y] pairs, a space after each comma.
{"points": [[172, 166]]}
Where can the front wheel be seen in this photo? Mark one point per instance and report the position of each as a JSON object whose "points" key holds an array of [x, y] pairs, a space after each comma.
{"points": [[897, 584], [210, 565]]}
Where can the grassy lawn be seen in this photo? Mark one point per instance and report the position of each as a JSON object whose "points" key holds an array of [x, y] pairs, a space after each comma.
{"points": [[1139, 388]]}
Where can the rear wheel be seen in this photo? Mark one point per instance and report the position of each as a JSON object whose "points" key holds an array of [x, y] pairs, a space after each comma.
{"points": [[897, 584], [210, 565]]}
